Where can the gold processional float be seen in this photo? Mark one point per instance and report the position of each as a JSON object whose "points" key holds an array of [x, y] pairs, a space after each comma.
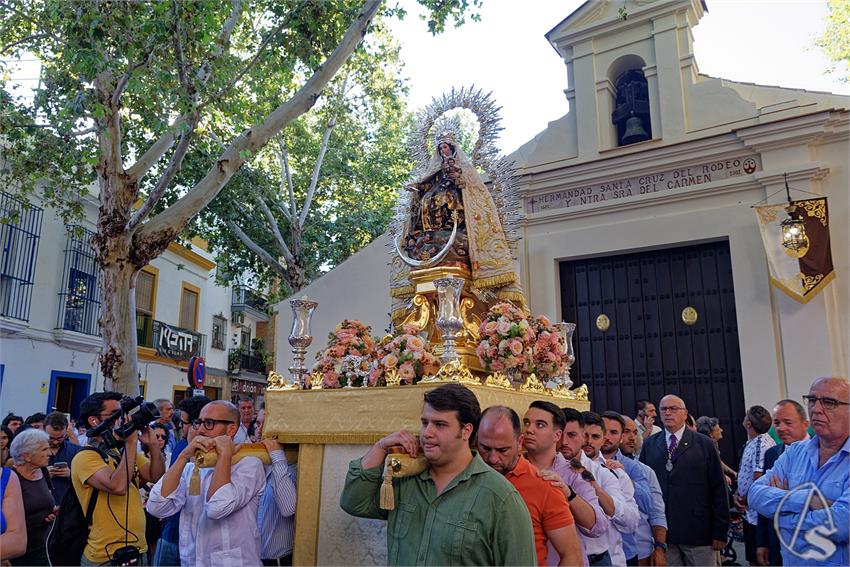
{"points": [[458, 313]]}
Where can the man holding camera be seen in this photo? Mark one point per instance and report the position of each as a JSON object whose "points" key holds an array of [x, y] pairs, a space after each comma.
{"points": [[118, 515], [218, 523]]}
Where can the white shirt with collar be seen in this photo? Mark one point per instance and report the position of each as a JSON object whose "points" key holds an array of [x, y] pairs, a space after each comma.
{"points": [[221, 531], [626, 514], [678, 435]]}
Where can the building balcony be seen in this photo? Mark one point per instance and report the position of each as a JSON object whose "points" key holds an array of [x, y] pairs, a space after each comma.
{"points": [[169, 341], [239, 359], [249, 301]]}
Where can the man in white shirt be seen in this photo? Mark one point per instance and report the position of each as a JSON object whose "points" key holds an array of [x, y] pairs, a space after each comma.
{"points": [[218, 527], [625, 514], [246, 421]]}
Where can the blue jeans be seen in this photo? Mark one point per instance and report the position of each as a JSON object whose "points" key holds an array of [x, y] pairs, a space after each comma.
{"points": [[167, 553], [599, 560]]}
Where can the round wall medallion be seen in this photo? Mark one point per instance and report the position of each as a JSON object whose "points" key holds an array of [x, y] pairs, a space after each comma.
{"points": [[689, 315], [603, 322]]}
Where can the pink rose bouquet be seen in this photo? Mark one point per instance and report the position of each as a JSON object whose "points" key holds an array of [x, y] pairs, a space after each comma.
{"points": [[346, 360], [506, 340], [549, 353], [408, 354]]}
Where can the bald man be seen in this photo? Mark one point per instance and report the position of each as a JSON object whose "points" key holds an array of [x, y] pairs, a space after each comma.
{"points": [[813, 525], [688, 469]]}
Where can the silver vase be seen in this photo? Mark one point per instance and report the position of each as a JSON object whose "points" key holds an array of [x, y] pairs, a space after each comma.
{"points": [[300, 337], [566, 330], [449, 318]]}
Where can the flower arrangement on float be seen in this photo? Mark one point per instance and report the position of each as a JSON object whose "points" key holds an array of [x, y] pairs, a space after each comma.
{"points": [[347, 359], [506, 340], [405, 358], [549, 352]]}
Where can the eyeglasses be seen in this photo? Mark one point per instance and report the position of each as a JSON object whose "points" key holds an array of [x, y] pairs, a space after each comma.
{"points": [[59, 439], [828, 404], [185, 423], [208, 423], [669, 409]]}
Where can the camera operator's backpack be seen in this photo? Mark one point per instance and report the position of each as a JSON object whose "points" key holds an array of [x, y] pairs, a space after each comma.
{"points": [[70, 532]]}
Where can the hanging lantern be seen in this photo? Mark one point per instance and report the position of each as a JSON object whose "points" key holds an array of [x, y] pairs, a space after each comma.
{"points": [[794, 238]]}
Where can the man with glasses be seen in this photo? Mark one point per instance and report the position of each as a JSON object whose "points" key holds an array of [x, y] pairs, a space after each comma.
{"points": [[116, 476], [218, 525], [813, 525], [62, 452], [168, 548], [688, 469]]}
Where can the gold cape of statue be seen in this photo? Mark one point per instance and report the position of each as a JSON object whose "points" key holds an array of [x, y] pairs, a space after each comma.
{"points": [[481, 244]]}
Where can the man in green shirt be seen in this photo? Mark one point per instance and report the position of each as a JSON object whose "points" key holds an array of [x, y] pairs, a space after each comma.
{"points": [[459, 511]]}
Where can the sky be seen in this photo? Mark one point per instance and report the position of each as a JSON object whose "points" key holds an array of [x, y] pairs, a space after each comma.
{"points": [[769, 42]]}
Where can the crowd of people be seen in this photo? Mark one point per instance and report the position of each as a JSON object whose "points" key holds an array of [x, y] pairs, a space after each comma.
{"points": [[553, 486], [141, 501], [627, 491]]}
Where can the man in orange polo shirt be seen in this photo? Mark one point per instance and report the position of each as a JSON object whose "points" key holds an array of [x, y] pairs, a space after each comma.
{"points": [[499, 443]]}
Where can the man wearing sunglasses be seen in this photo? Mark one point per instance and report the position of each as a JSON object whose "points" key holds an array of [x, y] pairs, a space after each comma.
{"points": [[218, 526], [813, 525]]}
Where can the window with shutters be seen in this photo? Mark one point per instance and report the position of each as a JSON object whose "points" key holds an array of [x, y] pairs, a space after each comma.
{"points": [[189, 306], [219, 332], [145, 305]]}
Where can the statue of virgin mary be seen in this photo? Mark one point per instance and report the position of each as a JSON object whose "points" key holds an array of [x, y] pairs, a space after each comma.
{"points": [[451, 219]]}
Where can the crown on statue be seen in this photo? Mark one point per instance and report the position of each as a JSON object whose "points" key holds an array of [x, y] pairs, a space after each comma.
{"points": [[446, 136]]}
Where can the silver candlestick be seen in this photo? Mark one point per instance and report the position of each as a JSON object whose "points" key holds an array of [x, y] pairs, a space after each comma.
{"points": [[300, 337], [449, 318], [566, 330]]}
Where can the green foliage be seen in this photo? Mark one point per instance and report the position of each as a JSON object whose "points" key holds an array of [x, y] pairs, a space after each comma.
{"points": [[835, 40]]}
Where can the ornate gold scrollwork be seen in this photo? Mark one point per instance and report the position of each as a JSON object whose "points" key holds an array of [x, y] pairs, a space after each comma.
{"points": [[559, 392], [422, 315], [533, 385], [582, 394], [392, 378], [471, 321], [454, 371], [315, 381], [498, 380]]}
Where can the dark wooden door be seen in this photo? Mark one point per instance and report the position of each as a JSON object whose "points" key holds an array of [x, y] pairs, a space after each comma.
{"points": [[648, 350]]}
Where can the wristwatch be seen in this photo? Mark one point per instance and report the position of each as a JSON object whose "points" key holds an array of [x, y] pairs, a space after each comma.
{"points": [[572, 495], [660, 545]]}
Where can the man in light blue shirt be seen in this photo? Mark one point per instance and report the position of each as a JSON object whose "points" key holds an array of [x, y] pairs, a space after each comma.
{"points": [[620, 441], [813, 529]]}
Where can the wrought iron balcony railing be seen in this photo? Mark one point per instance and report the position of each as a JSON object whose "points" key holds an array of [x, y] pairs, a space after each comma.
{"points": [[243, 298]]}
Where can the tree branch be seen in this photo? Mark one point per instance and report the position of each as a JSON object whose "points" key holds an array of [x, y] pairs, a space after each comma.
{"points": [[314, 179], [158, 149], [178, 50], [205, 70], [287, 174], [35, 36], [173, 219], [266, 258], [29, 19], [281, 243], [167, 177]]}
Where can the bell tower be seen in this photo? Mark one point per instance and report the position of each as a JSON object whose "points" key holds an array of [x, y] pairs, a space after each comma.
{"points": [[629, 68]]}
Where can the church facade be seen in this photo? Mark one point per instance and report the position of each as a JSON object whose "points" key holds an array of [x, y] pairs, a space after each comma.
{"points": [[640, 228]]}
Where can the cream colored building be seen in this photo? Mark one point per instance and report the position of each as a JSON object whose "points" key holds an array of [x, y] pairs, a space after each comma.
{"points": [[600, 214]]}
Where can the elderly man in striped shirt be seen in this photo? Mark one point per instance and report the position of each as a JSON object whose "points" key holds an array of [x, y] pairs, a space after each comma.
{"points": [[276, 518]]}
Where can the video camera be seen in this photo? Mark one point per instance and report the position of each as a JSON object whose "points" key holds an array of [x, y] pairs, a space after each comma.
{"points": [[140, 413]]}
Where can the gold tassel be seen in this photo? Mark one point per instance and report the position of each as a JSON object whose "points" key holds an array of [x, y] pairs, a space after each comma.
{"points": [[195, 482], [494, 281], [387, 495]]}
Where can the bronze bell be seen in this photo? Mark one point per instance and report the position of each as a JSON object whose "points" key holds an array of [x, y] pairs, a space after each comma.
{"points": [[634, 131]]}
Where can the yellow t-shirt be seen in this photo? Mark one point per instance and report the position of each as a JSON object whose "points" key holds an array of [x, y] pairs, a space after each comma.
{"points": [[107, 528]]}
